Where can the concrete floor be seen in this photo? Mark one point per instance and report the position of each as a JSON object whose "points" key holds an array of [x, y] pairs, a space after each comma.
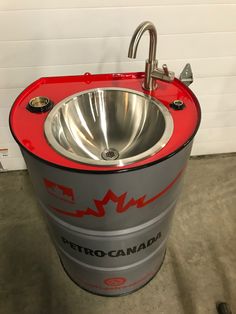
{"points": [[199, 269]]}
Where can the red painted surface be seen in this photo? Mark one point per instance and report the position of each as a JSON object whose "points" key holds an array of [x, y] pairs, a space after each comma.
{"points": [[121, 204], [27, 127], [115, 282], [129, 284]]}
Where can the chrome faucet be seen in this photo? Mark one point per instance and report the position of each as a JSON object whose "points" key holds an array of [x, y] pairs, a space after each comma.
{"points": [[152, 71]]}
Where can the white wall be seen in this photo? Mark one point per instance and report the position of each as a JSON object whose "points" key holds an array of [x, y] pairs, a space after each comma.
{"points": [[51, 37]]}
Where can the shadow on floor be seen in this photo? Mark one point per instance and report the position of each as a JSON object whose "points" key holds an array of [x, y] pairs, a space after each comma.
{"points": [[179, 273], [26, 270]]}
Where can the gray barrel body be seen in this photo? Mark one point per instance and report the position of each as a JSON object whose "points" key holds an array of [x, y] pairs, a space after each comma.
{"points": [[110, 229]]}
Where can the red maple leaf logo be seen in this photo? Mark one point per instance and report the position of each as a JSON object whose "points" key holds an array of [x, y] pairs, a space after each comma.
{"points": [[60, 191], [121, 204]]}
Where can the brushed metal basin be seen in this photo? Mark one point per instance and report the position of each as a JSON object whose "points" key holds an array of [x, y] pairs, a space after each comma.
{"points": [[108, 127]]}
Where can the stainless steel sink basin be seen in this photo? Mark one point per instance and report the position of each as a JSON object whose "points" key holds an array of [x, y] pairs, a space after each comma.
{"points": [[108, 127]]}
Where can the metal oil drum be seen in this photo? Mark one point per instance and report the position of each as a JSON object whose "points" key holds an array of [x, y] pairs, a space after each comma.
{"points": [[107, 163]]}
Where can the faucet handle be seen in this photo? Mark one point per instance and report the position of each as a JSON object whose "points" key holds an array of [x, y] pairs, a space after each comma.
{"points": [[165, 69], [169, 74], [163, 74]]}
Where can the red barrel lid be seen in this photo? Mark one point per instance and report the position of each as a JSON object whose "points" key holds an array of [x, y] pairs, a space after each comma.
{"points": [[27, 126]]}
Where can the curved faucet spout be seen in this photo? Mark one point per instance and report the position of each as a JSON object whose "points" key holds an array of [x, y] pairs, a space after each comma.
{"points": [[152, 72], [140, 30], [151, 63]]}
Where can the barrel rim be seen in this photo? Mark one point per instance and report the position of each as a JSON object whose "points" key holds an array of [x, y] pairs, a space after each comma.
{"points": [[109, 171]]}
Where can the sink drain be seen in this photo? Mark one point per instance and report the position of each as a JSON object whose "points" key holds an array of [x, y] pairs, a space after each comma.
{"points": [[110, 154]]}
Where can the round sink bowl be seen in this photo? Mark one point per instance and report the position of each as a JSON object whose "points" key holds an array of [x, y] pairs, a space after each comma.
{"points": [[108, 127]]}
